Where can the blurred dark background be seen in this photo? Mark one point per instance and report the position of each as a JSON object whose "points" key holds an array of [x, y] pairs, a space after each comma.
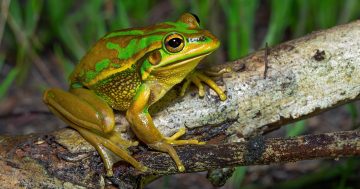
{"points": [[41, 41]]}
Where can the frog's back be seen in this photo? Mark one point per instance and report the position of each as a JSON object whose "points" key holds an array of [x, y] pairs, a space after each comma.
{"points": [[111, 67], [115, 52]]}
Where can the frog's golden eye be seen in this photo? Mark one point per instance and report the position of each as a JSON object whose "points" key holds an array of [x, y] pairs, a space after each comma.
{"points": [[174, 43]]}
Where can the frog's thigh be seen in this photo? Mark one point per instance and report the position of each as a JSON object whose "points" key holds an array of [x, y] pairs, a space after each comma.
{"points": [[86, 110], [82, 108], [70, 107]]}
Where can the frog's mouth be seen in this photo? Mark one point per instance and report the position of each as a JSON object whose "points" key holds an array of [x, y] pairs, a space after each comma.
{"points": [[181, 63]]}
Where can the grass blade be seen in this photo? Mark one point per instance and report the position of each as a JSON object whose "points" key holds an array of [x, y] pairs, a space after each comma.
{"points": [[6, 84], [296, 129]]}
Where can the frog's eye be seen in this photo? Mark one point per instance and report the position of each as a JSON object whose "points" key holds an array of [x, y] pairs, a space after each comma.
{"points": [[174, 43]]}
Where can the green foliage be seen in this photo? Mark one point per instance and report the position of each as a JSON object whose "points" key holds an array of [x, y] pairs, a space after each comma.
{"points": [[6, 83], [296, 129], [238, 176], [351, 108], [166, 182], [327, 173], [280, 11], [240, 26], [70, 27], [202, 8]]}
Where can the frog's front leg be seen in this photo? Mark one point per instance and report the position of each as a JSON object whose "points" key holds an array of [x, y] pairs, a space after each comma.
{"points": [[94, 120], [144, 128], [197, 77]]}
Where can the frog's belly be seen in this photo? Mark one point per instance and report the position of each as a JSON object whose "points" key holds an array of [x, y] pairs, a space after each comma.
{"points": [[118, 90]]}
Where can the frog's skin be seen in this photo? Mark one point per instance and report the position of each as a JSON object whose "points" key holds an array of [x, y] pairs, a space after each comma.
{"points": [[129, 70]]}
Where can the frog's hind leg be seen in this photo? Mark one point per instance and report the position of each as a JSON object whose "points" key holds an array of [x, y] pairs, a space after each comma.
{"points": [[94, 120], [101, 144], [167, 148]]}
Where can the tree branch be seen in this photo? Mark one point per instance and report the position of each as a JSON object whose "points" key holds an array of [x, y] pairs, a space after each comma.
{"points": [[305, 76]]}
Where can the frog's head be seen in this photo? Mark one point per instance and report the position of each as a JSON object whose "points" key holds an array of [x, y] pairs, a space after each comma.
{"points": [[183, 46]]}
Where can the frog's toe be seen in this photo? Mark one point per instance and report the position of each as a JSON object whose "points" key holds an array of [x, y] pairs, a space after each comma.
{"points": [[178, 134], [181, 168], [174, 138], [204, 78], [218, 73], [134, 143], [130, 144], [185, 86], [198, 78], [184, 142], [166, 147], [116, 138]]}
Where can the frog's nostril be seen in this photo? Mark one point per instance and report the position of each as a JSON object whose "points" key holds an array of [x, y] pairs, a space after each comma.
{"points": [[197, 39]]}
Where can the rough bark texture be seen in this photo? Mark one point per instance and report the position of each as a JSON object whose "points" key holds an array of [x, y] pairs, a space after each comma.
{"points": [[40, 162], [305, 76]]}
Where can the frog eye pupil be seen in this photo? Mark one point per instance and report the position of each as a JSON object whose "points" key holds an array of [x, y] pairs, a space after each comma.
{"points": [[175, 42]]}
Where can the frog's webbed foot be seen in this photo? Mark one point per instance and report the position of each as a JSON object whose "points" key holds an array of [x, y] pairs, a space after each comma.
{"points": [[198, 77], [166, 146], [103, 145]]}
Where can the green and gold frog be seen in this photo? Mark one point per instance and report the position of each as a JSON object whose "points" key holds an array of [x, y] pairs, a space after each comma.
{"points": [[129, 70]]}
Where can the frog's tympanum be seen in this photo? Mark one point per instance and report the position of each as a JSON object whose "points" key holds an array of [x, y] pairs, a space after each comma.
{"points": [[129, 70]]}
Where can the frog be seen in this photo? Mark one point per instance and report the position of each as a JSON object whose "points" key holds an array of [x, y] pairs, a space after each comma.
{"points": [[129, 70]]}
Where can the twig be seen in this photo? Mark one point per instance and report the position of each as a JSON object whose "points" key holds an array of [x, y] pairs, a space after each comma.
{"points": [[59, 163], [266, 61], [257, 151]]}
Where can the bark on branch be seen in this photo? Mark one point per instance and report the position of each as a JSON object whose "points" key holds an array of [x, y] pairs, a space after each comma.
{"points": [[305, 76]]}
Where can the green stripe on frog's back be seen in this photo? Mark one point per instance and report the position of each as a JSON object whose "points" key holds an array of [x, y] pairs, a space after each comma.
{"points": [[134, 46], [164, 27], [135, 49], [99, 67]]}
